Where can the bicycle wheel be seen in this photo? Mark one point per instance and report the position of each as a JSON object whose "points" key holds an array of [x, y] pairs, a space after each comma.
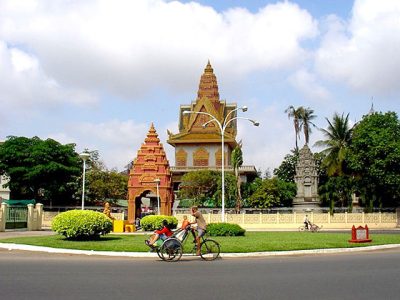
{"points": [[209, 250], [171, 250], [315, 228], [302, 228]]}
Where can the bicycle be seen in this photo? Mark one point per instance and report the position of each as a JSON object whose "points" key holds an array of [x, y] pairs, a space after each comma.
{"points": [[172, 248], [311, 227]]}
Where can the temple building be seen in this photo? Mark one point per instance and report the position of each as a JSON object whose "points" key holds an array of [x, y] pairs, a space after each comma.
{"points": [[150, 179], [198, 147]]}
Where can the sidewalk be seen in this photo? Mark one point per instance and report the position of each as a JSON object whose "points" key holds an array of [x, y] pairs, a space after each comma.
{"points": [[22, 233]]}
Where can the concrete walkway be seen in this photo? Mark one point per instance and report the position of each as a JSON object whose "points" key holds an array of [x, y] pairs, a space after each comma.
{"points": [[24, 233]]}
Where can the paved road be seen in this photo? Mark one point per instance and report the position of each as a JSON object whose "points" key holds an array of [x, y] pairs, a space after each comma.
{"points": [[373, 275]]}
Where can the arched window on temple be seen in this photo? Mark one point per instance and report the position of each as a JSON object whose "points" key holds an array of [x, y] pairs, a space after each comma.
{"points": [[218, 157], [181, 158], [200, 157]]}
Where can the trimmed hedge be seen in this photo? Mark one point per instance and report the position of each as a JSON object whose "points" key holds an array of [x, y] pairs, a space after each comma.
{"points": [[81, 224], [152, 222], [225, 229]]}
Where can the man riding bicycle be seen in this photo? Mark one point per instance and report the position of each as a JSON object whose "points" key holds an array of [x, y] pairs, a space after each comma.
{"points": [[201, 226], [307, 223]]}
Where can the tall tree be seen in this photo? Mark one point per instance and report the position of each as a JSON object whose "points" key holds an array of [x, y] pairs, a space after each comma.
{"points": [[237, 162], [41, 169], [295, 113], [336, 143], [306, 117], [374, 159]]}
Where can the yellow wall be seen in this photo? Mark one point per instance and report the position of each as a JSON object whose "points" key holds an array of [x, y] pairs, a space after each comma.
{"points": [[294, 220]]}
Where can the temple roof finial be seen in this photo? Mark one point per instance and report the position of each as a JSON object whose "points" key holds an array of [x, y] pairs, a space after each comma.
{"points": [[152, 135], [208, 86], [208, 68]]}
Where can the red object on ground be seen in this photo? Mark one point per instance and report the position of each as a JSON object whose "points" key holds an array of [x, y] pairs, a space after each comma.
{"points": [[360, 235]]}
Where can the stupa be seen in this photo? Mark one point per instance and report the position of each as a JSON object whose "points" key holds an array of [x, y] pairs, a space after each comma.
{"points": [[306, 179]]}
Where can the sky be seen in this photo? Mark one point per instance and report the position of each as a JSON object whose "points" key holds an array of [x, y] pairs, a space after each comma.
{"points": [[97, 73]]}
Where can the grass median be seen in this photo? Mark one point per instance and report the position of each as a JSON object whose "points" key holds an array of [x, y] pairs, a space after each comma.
{"points": [[251, 242]]}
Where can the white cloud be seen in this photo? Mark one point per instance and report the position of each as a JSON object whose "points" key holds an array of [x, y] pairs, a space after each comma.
{"points": [[364, 52], [266, 145], [117, 141], [25, 88], [129, 47], [309, 86]]}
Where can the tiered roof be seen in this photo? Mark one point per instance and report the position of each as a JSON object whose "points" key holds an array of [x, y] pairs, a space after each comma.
{"points": [[190, 125]]}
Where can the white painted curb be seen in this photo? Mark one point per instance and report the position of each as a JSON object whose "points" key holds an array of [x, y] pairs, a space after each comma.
{"points": [[10, 247]]}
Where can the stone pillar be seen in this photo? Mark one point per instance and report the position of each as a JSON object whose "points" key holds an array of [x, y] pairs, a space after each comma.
{"points": [[31, 222], [398, 217], [3, 216], [39, 211]]}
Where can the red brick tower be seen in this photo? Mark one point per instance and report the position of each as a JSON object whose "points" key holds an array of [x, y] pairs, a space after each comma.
{"points": [[150, 165]]}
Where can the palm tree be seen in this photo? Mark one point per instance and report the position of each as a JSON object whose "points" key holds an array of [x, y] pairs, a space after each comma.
{"points": [[237, 161], [306, 115], [338, 136], [295, 113]]}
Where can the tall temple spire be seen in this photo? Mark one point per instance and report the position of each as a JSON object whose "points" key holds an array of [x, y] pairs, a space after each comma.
{"points": [[208, 86]]}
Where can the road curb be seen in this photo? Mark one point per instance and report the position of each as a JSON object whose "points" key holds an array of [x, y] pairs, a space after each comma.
{"points": [[22, 247]]}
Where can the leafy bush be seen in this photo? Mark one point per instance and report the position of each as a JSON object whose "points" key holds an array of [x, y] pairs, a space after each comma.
{"points": [[81, 224], [152, 222], [225, 229]]}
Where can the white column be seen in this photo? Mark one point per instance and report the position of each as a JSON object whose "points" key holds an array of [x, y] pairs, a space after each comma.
{"points": [[3, 217], [39, 210], [31, 222]]}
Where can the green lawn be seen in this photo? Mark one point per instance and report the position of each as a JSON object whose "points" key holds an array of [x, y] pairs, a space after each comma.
{"points": [[252, 242]]}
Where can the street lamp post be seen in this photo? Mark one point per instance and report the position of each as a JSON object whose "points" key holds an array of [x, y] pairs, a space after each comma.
{"points": [[222, 126], [84, 156], [157, 181]]}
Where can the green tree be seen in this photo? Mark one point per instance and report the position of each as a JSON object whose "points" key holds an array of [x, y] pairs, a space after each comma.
{"points": [[199, 185], [106, 185], [237, 162], [249, 188], [287, 169], [273, 192], [41, 169], [204, 187], [336, 143], [102, 184], [230, 191], [374, 159], [336, 191]]}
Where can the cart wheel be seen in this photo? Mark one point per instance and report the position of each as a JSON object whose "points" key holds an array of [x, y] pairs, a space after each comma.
{"points": [[302, 228], [171, 250]]}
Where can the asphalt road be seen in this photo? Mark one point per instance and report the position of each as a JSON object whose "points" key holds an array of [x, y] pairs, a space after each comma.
{"points": [[372, 275]]}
